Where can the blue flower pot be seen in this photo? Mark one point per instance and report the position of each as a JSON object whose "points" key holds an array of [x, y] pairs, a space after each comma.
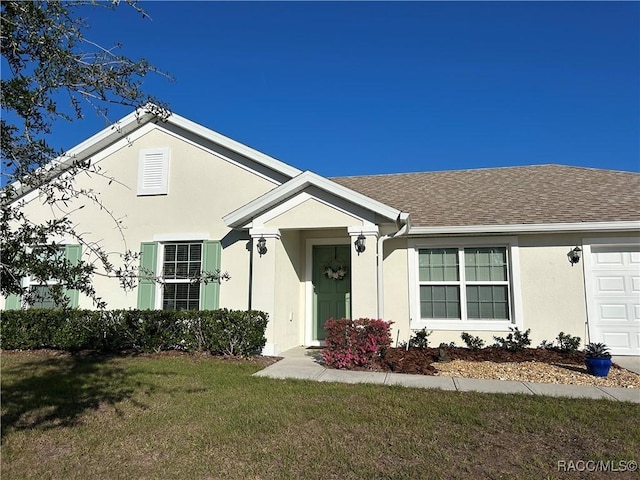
{"points": [[598, 366]]}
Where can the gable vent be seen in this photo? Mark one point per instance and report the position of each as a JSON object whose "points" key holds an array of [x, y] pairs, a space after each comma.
{"points": [[153, 171]]}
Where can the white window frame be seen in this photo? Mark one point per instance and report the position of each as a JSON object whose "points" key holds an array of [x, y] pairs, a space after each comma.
{"points": [[464, 324], [187, 238], [161, 186]]}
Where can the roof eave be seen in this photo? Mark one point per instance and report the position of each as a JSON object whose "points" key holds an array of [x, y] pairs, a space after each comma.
{"points": [[89, 147], [620, 226], [136, 119], [235, 146]]}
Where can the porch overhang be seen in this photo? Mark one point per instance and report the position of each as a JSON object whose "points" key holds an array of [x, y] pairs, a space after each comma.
{"points": [[329, 192]]}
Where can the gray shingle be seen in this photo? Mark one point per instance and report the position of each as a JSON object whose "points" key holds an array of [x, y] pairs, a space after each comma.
{"points": [[506, 196]]}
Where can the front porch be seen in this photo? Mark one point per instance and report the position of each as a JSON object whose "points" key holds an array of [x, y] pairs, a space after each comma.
{"points": [[298, 225], [306, 277]]}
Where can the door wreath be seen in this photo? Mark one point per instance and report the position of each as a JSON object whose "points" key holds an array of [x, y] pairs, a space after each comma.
{"points": [[335, 269]]}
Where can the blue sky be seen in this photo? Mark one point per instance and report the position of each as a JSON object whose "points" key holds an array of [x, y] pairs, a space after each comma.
{"points": [[351, 88]]}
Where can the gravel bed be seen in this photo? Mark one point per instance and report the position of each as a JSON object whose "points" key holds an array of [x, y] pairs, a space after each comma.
{"points": [[539, 372]]}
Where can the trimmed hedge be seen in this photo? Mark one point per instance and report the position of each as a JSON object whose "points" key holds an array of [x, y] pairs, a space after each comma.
{"points": [[355, 343], [221, 332]]}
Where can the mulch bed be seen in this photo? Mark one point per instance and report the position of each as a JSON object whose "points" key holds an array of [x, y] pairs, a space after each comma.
{"points": [[421, 360]]}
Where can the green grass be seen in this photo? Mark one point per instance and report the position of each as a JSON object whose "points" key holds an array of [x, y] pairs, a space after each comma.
{"points": [[198, 417]]}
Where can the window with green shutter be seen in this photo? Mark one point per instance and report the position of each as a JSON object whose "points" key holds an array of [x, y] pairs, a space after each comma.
{"points": [[181, 263], [42, 289]]}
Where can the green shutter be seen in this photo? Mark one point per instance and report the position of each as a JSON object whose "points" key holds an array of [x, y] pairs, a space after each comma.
{"points": [[146, 282], [73, 253], [210, 292], [13, 302]]}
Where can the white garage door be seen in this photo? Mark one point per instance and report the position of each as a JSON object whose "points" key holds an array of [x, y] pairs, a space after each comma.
{"points": [[613, 292]]}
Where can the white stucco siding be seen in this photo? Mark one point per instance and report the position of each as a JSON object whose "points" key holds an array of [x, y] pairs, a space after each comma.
{"points": [[396, 288], [288, 318], [553, 298], [234, 293], [310, 213], [547, 294], [202, 189]]}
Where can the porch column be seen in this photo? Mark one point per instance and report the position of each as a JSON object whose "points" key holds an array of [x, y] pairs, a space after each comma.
{"points": [[263, 281], [364, 287]]}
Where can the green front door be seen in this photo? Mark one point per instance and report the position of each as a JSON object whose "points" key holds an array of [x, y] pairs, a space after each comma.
{"points": [[331, 285]]}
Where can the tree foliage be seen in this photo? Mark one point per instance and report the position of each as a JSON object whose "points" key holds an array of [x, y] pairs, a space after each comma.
{"points": [[56, 73]]}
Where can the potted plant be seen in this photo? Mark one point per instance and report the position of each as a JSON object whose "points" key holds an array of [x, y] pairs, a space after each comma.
{"points": [[598, 359]]}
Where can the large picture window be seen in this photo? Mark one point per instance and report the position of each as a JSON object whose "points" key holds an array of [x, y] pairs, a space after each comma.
{"points": [[181, 263], [463, 286]]}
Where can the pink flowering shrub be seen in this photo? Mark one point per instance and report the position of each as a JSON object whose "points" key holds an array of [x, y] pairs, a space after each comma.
{"points": [[355, 343]]}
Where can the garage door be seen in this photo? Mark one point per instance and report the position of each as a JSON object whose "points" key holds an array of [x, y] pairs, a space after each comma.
{"points": [[613, 293]]}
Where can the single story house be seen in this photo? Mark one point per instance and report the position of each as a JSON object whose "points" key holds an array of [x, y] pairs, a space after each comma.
{"points": [[474, 251]]}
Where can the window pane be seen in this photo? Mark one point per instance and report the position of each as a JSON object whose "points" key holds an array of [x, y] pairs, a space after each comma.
{"points": [[170, 253], [472, 294], [485, 294], [498, 261], [194, 292], [451, 274], [182, 290], [453, 310], [195, 253], [169, 270], [486, 264], [426, 310], [194, 269], [181, 296], [453, 293], [439, 294], [182, 269], [439, 310], [437, 274], [473, 309], [500, 294], [501, 311], [487, 302], [439, 301], [483, 274], [486, 310], [183, 252], [438, 265], [182, 260], [53, 255], [42, 297], [425, 294]]}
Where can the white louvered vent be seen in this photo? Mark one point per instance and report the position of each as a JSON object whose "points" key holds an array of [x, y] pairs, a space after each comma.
{"points": [[153, 171]]}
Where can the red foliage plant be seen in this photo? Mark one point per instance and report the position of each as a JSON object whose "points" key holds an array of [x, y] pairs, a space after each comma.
{"points": [[355, 343]]}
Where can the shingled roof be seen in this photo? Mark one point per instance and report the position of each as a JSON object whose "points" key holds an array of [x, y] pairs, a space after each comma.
{"points": [[506, 196]]}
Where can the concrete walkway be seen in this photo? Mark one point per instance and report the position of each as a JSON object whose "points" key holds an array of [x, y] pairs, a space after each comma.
{"points": [[306, 364]]}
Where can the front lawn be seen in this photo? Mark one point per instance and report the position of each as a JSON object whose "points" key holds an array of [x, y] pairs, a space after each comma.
{"points": [[164, 416]]}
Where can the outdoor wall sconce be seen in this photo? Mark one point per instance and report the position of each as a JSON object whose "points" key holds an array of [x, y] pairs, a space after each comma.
{"points": [[261, 246], [360, 244], [574, 255]]}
